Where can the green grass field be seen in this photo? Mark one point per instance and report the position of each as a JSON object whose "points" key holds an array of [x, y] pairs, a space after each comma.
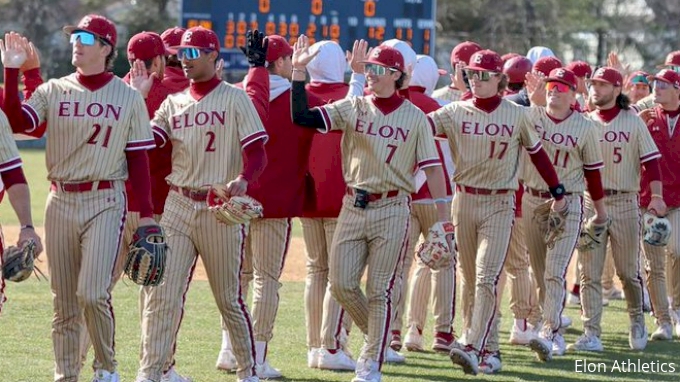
{"points": [[26, 349]]}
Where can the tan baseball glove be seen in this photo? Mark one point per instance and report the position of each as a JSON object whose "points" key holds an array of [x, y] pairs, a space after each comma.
{"points": [[437, 250], [233, 210], [593, 235], [18, 263], [550, 222]]}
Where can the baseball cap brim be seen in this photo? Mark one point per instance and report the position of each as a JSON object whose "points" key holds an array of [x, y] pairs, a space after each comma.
{"points": [[657, 78], [473, 67], [599, 80], [553, 79]]}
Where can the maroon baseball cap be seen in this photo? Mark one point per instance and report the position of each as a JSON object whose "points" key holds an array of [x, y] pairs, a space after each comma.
{"points": [[386, 56], [508, 56], [145, 46], [277, 47], [607, 74], [545, 65], [580, 68], [487, 60], [198, 37], [172, 36], [98, 25], [463, 51], [564, 76], [667, 75], [672, 59]]}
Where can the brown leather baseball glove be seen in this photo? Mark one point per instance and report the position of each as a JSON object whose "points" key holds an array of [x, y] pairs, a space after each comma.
{"points": [[18, 263], [550, 222], [235, 209], [437, 250]]}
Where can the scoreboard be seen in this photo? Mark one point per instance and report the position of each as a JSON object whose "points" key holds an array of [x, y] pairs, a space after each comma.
{"points": [[342, 21]]}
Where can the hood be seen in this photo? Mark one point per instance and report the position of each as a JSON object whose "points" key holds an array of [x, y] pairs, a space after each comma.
{"points": [[539, 52], [330, 65]]}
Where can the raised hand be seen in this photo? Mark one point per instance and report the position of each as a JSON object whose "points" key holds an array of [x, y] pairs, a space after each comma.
{"points": [[12, 50], [256, 48], [140, 79], [301, 55], [219, 67], [32, 56], [614, 61], [535, 88], [358, 55], [458, 79]]}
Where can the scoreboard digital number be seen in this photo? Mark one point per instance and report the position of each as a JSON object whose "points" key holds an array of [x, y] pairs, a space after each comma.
{"points": [[342, 21]]}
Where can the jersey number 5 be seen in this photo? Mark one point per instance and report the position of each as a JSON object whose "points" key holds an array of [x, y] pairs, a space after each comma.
{"points": [[498, 150], [94, 138]]}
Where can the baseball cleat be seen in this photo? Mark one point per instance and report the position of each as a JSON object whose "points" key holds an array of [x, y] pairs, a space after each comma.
{"points": [[265, 371], [254, 378], [467, 357], [587, 342], [443, 342], [414, 339], [542, 347], [105, 376], [367, 371], [392, 356], [395, 342], [573, 299], [335, 361], [172, 376], [637, 337], [226, 360], [558, 345], [663, 333], [491, 362], [313, 356], [521, 335]]}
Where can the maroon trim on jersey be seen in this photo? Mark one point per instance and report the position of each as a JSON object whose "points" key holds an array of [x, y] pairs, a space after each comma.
{"points": [[593, 166], [13, 176], [594, 183], [557, 120], [545, 168], [387, 105], [140, 180], [243, 307], [650, 156], [326, 119], [159, 135], [466, 95], [535, 148], [487, 105], [95, 81], [119, 241], [254, 137], [432, 125], [255, 160], [10, 164], [429, 163], [140, 145], [653, 169], [198, 90], [608, 115]]}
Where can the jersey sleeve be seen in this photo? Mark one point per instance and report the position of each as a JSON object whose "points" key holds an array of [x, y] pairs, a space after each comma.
{"points": [[160, 125], [439, 119], [36, 106], [646, 145], [527, 131], [591, 151], [9, 154], [140, 136], [338, 115], [426, 149], [248, 122]]}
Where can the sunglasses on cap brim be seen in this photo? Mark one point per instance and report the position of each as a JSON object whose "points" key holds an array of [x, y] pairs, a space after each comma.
{"points": [[85, 38], [191, 53], [481, 75], [658, 84], [378, 70]]}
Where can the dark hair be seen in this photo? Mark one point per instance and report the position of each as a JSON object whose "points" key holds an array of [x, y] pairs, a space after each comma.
{"points": [[147, 63], [623, 101], [400, 81], [515, 86], [111, 58], [503, 83]]}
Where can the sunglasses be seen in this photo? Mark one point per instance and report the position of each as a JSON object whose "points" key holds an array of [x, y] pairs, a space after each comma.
{"points": [[481, 75], [85, 38], [661, 85], [378, 70], [557, 86], [190, 53]]}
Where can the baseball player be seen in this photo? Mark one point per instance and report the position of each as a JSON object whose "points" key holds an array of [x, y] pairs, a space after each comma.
{"points": [[459, 88], [542, 68], [583, 71], [638, 87], [571, 140], [440, 284], [13, 181], [662, 123], [280, 188], [671, 62], [384, 138], [173, 75], [212, 154], [626, 146], [486, 135], [328, 324], [515, 69], [98, 137]]}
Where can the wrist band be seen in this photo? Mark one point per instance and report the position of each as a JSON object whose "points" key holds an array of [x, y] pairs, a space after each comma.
{"points": [[657, 196], [27, 226], [300, 70]]}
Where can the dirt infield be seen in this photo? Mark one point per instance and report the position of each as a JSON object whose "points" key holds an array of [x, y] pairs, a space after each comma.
{"points": [[293, 271]]}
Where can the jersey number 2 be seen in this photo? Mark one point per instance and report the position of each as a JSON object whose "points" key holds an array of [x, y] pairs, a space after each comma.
{"points": [[94, 138], [210, 147]]}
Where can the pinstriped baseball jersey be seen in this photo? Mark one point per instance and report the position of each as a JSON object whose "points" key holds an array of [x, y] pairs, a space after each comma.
{"points": [[626, 142], [447, 93], [572, 145], [89, 131], [486, 146], [9, 154], [206, 135], [371, 140]]}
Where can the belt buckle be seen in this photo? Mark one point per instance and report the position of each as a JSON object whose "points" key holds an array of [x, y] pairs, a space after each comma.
{"points": [[361, 198]]}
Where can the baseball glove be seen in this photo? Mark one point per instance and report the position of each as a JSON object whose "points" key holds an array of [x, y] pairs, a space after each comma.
{"points": [[437, 250], [550, 222], [145, 262], [18, 263], [256, 48], [657, 230], [593, 234], [232, 210]]}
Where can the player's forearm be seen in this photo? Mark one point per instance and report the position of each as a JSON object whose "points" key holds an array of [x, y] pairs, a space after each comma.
{"points": [[436, 182], [594, 184], [357, 82], [32, 80], [600, 210], [257, 87], [12, 104], [656, 187], [302, 115], [547, 171], [140, 179], [19, 195], [255, 160]]}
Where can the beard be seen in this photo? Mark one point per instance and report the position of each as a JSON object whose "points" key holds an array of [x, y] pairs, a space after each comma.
{"points": [[603, 100]]}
